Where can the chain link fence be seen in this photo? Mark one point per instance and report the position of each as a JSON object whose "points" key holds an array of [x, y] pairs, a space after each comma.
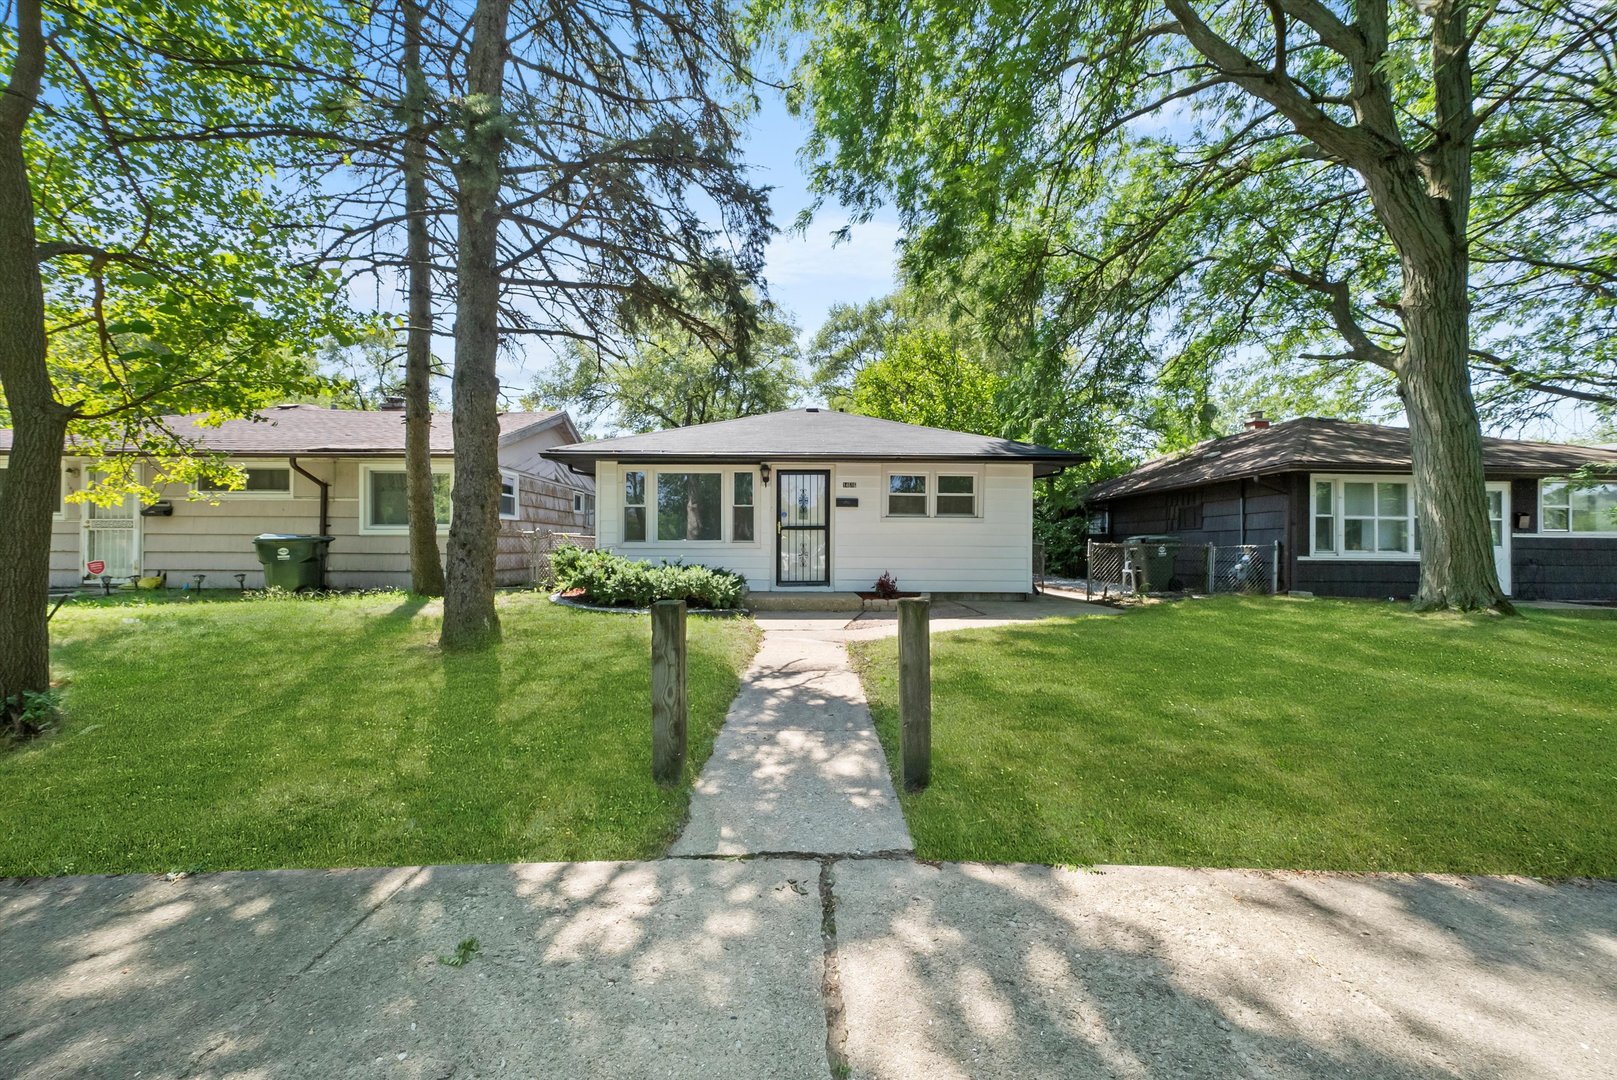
{"points": [[1243, 568], [1123, 570], [1115, 571], [542, 544]]}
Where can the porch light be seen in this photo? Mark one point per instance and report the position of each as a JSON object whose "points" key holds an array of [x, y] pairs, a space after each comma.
{"points": [[763, 471], [1524, 522]]}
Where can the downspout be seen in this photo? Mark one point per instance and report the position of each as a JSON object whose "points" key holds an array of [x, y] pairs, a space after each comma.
{"points": [[1242, 485], [325, 507]]}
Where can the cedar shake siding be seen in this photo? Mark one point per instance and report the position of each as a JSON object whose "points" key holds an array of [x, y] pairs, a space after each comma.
{"points": [[1565, 567], [1223, 514]]}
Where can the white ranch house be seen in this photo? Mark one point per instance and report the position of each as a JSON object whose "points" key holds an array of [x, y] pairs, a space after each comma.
{"points": [[816, 500]]}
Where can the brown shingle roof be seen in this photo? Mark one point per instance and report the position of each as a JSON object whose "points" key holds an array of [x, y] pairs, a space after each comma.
{"points": [[313, 429], [1314, 444], [811, 435]]}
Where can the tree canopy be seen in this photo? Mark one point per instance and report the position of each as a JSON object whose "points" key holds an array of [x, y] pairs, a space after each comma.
{"points": [[1170, 185], [675, 373]]}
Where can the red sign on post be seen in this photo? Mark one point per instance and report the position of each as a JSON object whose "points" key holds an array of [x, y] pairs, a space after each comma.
{"points": [[96, 567]]}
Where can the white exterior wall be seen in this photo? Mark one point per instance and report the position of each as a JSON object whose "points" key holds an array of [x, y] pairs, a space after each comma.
{"points": [[992, 552]]}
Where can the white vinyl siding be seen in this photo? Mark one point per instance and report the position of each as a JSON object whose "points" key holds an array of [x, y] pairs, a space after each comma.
{"points": [[991, 552]]}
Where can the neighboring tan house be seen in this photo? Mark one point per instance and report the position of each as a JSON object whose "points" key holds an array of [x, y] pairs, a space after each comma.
{"points": [[311, 470], [816, 500], [1339, 498]]}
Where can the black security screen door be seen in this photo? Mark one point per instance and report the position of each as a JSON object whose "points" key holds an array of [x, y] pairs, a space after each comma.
{"points": [[802, 528]]}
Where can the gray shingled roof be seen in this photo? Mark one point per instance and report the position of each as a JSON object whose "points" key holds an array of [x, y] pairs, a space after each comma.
{"points": [[313, 429], [810, 435], [1314, 444]]}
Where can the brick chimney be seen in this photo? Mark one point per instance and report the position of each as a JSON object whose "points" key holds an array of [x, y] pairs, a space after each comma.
{"points": [[1257, 421]]}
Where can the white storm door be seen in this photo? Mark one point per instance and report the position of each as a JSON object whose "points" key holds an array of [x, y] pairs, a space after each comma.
{"points": [[112, 539], [1499, 525]]}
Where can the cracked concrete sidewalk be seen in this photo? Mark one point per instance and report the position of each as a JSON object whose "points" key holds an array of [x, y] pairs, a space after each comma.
{"points": [[719, 968]]}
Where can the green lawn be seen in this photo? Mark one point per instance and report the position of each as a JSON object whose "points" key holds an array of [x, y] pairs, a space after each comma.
{"points": [[1272, 733], [308, 733]]}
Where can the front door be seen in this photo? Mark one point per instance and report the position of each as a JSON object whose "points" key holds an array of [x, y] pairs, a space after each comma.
{"points": [[1499, 525], [802, 528], [112, 539]]}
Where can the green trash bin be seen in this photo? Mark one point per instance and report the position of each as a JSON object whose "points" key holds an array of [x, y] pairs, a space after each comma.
{"points": [[293, 561], [1158, 552]]}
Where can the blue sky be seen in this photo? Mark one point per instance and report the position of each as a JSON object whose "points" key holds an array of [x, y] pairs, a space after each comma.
{"points": [[805, 271]]}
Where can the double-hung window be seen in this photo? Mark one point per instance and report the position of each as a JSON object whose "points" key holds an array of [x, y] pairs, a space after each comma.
{"points": [[933, 494], [1565, 508], [508, 497], [957, 496], [907, 495], [634, 506], [1361, 516], [690, 505], [741, 509]]}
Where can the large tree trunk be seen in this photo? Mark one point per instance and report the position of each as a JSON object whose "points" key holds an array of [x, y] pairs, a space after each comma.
{"points": [[426, 569], [33, 475], [469, 616], [1457, 565]]}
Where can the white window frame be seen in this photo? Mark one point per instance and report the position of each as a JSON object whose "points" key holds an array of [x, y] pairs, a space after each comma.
{"points": [[584, 506], [291, 482], [515, 480], [647, 503], [365, 526], [1570, 530], [1339, 518], [654, 486], [731, 505], [933, 474], [976, 493]]}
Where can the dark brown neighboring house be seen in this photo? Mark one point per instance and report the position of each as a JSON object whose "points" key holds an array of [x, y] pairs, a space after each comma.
{"points": [[1338, 497]]}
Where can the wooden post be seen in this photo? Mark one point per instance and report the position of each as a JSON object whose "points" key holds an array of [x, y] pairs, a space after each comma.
{"points": [[668, 703], [915, 692]]}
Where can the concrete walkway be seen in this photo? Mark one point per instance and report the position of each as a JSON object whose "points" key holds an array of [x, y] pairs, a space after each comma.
{"points": [[797, 766], [883, 969]]}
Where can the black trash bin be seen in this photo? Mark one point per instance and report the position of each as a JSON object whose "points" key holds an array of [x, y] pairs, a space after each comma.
{"points": [[1158, 551], [293, 561]]}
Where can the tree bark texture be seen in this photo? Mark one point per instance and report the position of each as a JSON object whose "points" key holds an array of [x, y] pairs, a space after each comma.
{"points": [[426, 568], [39, 423], [470, 620]]}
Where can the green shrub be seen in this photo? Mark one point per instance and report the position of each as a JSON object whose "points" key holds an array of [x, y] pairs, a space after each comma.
{"points": [[615, 581]]}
